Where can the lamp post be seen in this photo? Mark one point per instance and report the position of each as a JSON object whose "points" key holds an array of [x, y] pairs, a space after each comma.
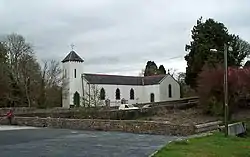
{"points": [[225, 86]]}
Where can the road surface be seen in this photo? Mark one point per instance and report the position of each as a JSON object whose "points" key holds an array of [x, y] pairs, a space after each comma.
{"points": [[47, 142]]}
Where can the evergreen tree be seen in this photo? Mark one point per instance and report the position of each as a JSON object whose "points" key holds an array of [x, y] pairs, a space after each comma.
{"points": [[151, 69], [161, 70], [211, 35]]}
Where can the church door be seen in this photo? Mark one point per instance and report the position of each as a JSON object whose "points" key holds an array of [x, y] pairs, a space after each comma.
{"points": [[152, 97], [76, 99]]}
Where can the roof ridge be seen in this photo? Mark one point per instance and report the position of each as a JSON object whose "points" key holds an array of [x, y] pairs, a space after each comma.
{"points": [[101, 74], [112, 75]]}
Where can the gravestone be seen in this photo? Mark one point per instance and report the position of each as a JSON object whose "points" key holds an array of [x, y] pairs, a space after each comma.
{"points": [[236, 128], [124, 101], [107, 102]]}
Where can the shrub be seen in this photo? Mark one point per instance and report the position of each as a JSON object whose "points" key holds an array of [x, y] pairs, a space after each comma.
{"points": [[211, 85]]}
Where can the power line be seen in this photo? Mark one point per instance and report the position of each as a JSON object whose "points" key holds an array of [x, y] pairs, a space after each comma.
{"points": [[172, 58]]}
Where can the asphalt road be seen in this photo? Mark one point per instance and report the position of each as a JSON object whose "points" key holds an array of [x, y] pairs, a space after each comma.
{"points": [[46, 142]]}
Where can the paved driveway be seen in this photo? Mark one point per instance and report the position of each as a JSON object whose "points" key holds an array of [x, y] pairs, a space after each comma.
{"points": [[45, 142]]}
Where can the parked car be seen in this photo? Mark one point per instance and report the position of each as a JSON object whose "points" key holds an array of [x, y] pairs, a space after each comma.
{"points": [[127, 107], [147, 106]]}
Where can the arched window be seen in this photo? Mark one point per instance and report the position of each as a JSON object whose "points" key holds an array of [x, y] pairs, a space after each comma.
{"points": [[132, 94], [117, 94], [169, 91], [76, 99], [152, 97], [102, 94], [65, 73]]}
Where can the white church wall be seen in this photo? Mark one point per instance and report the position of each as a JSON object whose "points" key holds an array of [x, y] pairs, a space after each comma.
{"points": [[164, 91], [147, 90], [74, 80], [65, 93], [141, 93], [110, 93]]}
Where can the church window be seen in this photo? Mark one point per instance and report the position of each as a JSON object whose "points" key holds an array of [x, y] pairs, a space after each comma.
{"points": [[169, 91], [152, 97], [102, 94], [75, 73], [65, 73], [117, 94], [76, 99], [132, 94]]}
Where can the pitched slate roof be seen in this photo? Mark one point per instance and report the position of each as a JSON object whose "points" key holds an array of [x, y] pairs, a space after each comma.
{"points": [[123, 80], [72, 56]]}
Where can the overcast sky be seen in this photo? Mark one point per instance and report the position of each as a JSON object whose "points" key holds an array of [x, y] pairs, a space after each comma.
{"points": [[118, 36]]}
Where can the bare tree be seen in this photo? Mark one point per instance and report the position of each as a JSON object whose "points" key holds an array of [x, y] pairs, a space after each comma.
{"points": [[53, 73], [186, 90], [141, 73], [17, 48], [51, 83], [29, 71], [4, 79], [92, 96], [181, 77], [173, 72], [20, 62], [26, 81]]}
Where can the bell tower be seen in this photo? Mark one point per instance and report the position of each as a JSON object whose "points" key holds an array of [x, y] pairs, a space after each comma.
{"points": [[72, 71]]}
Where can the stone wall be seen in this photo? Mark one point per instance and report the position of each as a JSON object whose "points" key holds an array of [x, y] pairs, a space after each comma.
{"points": [[90, 114], [102, 112], [206, 127], [132, 126], [3, 111], [170, 103], [27, 110], [93, 113]]}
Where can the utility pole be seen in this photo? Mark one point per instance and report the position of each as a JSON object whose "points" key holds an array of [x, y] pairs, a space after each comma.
{"points": [[89, 95], [226, 47], [226, 89]]}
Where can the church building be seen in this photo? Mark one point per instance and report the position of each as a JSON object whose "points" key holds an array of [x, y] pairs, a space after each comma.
{"points": [[81, 89]]}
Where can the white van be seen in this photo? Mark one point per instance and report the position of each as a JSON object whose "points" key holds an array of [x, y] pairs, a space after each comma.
{"points": [[127, 107]]}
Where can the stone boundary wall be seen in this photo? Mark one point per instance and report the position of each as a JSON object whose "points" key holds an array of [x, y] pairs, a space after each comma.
{"points": [[17, 110], [59, 109], [106, 114], [131, 126], [206, 127], [171, 102], [24, 110]]}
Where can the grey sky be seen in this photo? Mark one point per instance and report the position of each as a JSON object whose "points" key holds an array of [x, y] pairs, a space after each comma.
{"points": [[118, 36]]}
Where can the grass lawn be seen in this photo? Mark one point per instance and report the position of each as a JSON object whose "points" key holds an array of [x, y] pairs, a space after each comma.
{"points": [[216, 145]]}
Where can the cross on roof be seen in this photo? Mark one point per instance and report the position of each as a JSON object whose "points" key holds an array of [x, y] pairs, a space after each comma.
{"points": [[72, 46]]}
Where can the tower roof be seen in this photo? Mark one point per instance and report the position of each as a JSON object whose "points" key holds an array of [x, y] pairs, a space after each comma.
{"points": [[72, 56]]}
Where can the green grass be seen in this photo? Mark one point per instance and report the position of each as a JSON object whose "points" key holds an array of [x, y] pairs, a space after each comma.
{"points": [[216, 145]]}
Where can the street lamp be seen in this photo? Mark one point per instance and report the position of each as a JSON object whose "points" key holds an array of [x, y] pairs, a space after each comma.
{"points": [[226, 48]]}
